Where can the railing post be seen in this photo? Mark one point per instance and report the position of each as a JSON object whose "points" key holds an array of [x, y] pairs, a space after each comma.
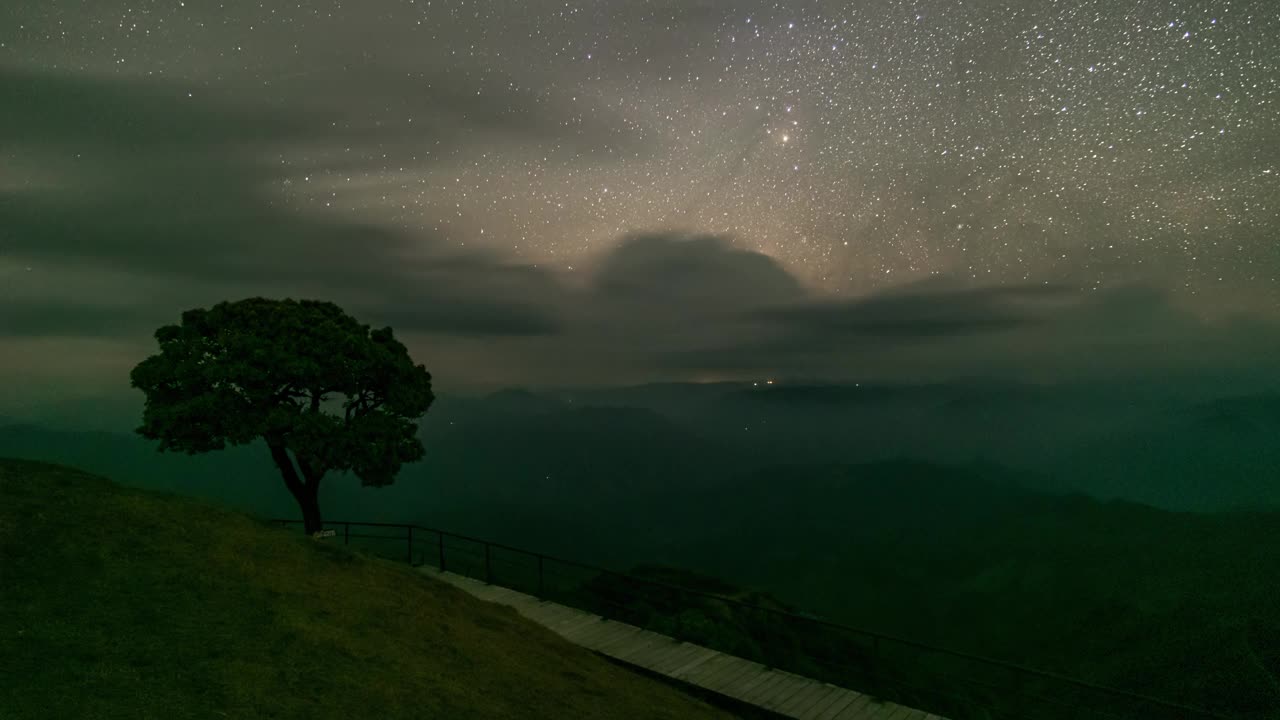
{"points": [[440, 535], [411, 545], [346, 533], [488, 565], [541, 585]]}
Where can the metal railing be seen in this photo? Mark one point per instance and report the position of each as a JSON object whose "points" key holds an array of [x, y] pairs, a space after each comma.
{"points": [[958, 685]]}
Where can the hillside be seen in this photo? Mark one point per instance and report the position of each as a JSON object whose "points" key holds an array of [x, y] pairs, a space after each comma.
{"points": [[128, 603]]}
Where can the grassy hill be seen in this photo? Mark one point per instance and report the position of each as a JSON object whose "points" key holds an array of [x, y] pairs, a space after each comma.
{"points": [[127, 603]]}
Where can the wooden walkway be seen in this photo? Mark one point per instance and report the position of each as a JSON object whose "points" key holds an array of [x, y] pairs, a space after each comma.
{"points": [[781, 692]]}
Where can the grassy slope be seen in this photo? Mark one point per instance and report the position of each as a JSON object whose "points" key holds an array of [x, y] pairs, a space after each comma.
{"points": [[126, 603]]}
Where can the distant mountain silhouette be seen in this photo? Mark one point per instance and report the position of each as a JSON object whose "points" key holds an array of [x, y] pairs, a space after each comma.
{"points": [[1175, 447], [520, 400], [1114, 592]]}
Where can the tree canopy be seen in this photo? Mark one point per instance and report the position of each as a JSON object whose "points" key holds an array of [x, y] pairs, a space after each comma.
{"points": [[260, 368]]}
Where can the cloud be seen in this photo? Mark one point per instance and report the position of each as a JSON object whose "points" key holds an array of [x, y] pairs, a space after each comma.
{"points": [[917, 311], [131, 202], [944, 329], [698, 273], [142, 184]]}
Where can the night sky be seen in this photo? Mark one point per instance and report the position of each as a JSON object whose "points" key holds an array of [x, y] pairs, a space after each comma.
{"points": [[607, 192]]}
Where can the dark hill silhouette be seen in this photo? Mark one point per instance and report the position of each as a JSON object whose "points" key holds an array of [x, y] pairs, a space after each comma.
{"points": [[1176, 605]]}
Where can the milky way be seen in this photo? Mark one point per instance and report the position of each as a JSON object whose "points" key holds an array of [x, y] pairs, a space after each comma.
{"points": [[862, 145]]}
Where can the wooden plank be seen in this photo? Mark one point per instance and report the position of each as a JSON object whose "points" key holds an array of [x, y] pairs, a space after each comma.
{"points": [[654, 657], [562, 615], [461, 580], [549, 615], [815, 700], [658, 655], [748, 684], [600, 633], [569, 620], [642, 644], [764, 689], [487, 594], [523, 604], [557, 610], [497, 593], [698, 673], [899, 712], [831, 700], [571, 626], [851, 699], [480, 590], [816, 703], [624, 634], [701, 668], [617, 641], [869, 708], [683, 653], [526, 600], [582, 629], [864, 708], [750, 671], [804, 698], [783, 695], [694, 663], [784, 689], [736, 668]]}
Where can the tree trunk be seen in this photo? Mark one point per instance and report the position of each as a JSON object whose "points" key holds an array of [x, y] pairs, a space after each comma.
{"points": [[309, 502], [307, 494]]}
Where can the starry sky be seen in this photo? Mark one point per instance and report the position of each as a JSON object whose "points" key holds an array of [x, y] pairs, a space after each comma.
{"points": [[614, 191]]}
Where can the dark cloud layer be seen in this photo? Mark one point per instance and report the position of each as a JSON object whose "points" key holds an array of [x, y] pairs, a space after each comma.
{"points": [[700, 274], [917, 311]]}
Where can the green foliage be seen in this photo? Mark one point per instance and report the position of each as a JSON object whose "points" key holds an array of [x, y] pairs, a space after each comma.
{"points": [[261, 368]]}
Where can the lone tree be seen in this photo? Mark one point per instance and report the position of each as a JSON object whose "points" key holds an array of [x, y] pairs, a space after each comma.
{"points": [[261, 368]]}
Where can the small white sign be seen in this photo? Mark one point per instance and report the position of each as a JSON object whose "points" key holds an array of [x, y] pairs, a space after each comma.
{"points": [[324, 533]]}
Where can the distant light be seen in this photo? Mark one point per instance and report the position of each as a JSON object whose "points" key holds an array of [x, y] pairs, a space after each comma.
{"points": [[768, 382]]}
